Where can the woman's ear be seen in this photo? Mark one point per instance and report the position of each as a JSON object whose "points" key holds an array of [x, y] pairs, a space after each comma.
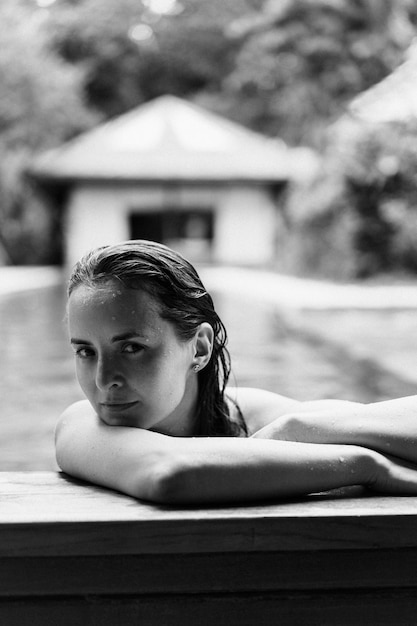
{"points": [[203, 343]]}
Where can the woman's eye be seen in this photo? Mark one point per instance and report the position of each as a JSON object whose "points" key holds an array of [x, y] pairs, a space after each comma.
{"points": [[84, 353], [132, 348]]}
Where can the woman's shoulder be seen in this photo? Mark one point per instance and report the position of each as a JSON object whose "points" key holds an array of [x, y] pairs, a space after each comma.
{"points": [[260, 407], [80, 408]]}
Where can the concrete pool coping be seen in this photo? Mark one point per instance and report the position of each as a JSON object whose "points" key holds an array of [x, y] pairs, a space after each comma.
{"points": [[291, 292], [281, 290], [15, 279]]}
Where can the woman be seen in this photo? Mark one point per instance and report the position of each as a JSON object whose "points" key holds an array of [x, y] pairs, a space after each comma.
{"points": [[159, 421]]}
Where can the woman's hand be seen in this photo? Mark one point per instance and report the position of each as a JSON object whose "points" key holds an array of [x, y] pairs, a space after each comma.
{"points": [[390, 475]]}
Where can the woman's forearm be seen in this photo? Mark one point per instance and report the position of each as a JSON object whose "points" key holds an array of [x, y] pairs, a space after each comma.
{"points": [[389, 427], [169, 469], [226, 470]]}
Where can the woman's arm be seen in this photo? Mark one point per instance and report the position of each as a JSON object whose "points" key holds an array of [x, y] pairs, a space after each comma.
{"points": [[168, 469], [261, 408], [389, 427]]}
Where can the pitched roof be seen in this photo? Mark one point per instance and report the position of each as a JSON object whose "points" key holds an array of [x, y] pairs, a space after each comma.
{"points": [[167, 139], [393, 99]]}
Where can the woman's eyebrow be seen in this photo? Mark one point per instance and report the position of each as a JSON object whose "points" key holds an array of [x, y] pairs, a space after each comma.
{"points": [[130, 334]]}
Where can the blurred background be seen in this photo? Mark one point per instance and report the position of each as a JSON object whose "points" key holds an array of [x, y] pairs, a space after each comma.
{"points": [[273, 137]]}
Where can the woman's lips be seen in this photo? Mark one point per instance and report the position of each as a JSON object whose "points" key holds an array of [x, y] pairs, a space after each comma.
{"points": [[116, 407]]}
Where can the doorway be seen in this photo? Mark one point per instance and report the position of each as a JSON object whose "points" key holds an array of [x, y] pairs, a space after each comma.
{"points": [[189, 231]]}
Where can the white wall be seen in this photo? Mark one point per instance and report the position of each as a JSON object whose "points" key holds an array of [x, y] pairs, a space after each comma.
{"points": [[98, 215], [245, 217], [246, 226]]}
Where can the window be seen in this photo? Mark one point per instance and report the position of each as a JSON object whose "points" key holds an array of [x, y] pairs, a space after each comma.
{"points": [[190, 231]]}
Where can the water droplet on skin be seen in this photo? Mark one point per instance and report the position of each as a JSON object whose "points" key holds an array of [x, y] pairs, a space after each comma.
{"points": [[342, 459]]}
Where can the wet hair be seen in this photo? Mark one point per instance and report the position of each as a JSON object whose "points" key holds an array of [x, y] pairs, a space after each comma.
{"points": [[183, 301]]}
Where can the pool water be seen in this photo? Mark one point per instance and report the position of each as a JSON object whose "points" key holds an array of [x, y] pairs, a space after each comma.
{"points": [[304, 360], [37, 375]]}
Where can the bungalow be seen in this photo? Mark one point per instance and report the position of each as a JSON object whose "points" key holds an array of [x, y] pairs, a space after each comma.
{"points": [[172, 172]]}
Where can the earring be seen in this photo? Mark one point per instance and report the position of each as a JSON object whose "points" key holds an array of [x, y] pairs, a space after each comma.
{"points": [[196, 367]]}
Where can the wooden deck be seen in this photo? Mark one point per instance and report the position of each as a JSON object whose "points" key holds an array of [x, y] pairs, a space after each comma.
{"points": [[75, 554]]}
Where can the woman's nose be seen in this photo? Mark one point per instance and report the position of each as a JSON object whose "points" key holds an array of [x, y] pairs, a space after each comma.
{"points": [[107, 374]]}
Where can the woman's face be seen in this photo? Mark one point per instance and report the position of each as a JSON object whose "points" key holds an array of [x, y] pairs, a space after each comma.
{"points": [[130, 363]]}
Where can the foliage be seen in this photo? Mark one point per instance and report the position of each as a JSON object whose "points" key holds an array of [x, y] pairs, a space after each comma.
{"points": [[40, 106], [380, 182], [132, 54], [357, 217], [302, 61], [320, 226]]}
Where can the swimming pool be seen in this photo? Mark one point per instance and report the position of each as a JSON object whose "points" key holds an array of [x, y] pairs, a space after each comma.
{"points": [[37, 380]]}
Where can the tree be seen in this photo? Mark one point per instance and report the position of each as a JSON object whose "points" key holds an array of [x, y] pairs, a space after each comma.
{"points": [[40, 106], [302, 61], [379, 172], [132, 53]]}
